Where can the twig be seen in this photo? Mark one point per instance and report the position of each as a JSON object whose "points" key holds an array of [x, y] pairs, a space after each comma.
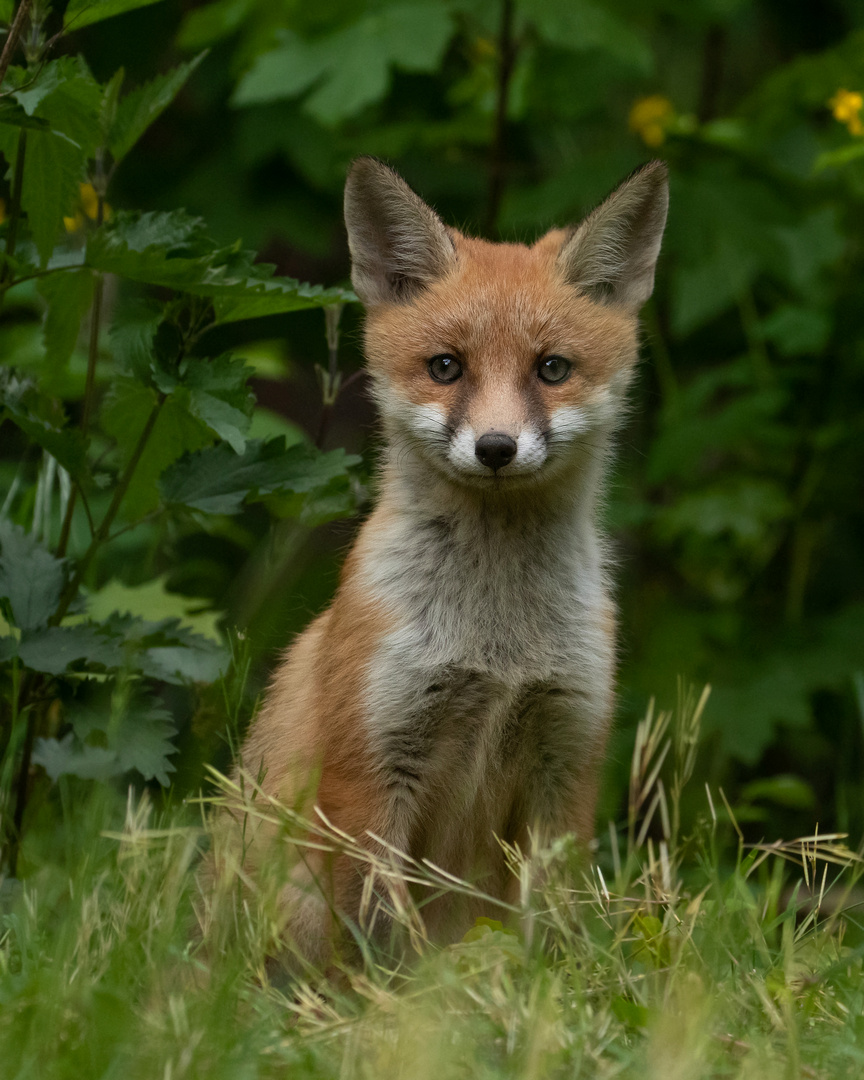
{"points": [[92, 359], [102, 532], [12, 40], [507, 49], [14, 210]]}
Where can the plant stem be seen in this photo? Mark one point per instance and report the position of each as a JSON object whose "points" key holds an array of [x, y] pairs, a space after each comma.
{"points": [[12, 40], [14, 208], [498, 159], [92, 359], [21, 791], [660, 352], [101, 534]]}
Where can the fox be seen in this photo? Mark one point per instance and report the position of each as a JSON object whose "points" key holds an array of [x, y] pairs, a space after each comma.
{"points": [[459, 691]]}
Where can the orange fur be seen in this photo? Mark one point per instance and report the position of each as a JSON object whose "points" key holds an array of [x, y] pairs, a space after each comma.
{"points": [[459, 688]]}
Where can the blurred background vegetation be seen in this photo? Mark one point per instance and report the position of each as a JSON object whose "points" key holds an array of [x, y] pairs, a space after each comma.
{"points": [[737, 507]]}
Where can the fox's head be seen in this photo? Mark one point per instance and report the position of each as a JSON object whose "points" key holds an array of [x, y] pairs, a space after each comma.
{"points": [[496, 362]]}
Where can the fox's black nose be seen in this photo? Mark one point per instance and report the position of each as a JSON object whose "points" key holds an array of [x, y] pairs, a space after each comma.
{"points": [[495, 450]]}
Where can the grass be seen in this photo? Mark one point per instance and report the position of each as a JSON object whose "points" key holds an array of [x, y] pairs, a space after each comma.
{"points": [[679, 954]]}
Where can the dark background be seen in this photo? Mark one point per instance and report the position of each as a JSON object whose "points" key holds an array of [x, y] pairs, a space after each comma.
{"points": [[737, 505]]}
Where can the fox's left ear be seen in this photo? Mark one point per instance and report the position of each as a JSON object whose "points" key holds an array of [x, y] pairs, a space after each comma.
{"points": [[612, 254]]}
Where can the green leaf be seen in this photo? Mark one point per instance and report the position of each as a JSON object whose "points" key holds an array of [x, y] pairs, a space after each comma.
{"points": [[53, 171], [15, 116], [69, 297], [743, 508], [796, 330], [66, 95], [20, 400], [352, 66], [53, 649], [67, 757], [173, 251], [582, 25], [833, 159], [228, 423], [783, 790], [31, 578], [133, 335], [202, 661], [175, 432], [630, 1012], [115, 729], [154, 603], [81, 13], [219, 398], [138, 110], [213, 22], [218, 481]]}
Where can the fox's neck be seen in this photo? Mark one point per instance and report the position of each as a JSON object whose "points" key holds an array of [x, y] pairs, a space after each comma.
{"points": [[411, 487], [498, 581]]}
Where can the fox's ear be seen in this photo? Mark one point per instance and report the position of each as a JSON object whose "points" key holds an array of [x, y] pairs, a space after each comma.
{"points": [[612, 254], [398, 243]]}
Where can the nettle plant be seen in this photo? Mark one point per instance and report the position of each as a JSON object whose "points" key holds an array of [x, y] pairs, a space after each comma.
{"points": [[121, 412]]}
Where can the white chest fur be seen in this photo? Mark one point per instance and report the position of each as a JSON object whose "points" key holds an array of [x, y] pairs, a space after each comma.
{"points": [[500, 658]]}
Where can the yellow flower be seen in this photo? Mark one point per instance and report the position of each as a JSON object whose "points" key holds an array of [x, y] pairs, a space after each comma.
{"points": [[650, 118], [88, 202], [846, 106]]}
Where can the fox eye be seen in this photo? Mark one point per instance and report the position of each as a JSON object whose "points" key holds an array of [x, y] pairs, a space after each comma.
{"points": [[445, 368], [554, 369]]}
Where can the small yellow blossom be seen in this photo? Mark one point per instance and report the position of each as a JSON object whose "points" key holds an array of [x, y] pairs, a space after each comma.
{"points": [[88, 203], [846, 106], [650, 118]]}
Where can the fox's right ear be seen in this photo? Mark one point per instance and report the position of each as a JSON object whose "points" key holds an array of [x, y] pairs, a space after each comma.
{"points": [[612, 254], [398, 244]]}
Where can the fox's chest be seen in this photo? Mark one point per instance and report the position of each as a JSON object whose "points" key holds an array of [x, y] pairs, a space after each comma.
{"points": [[516, 600], [497, 650]]}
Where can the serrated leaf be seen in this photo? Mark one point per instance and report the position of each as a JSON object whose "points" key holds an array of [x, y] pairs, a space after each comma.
{"points": [[219, 398], [204, 662], [81, 13], [218, 481], [153, 601], [69, 297], [226, 421], [68, 757], [19, 400], [139, 109], [172, 250], [133, 334], [31, 578], [116, 728], [167, 650], [53, 648]]}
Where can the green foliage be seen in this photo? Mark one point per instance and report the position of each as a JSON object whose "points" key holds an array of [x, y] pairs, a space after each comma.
{"points": [[80, 13], [117, 434]]}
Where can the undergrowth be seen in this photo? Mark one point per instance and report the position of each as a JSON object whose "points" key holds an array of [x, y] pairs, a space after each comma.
{"points": [[676, 954]]}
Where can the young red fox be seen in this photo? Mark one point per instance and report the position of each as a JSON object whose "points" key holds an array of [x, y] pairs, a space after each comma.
{"points": [[460, 687]]}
